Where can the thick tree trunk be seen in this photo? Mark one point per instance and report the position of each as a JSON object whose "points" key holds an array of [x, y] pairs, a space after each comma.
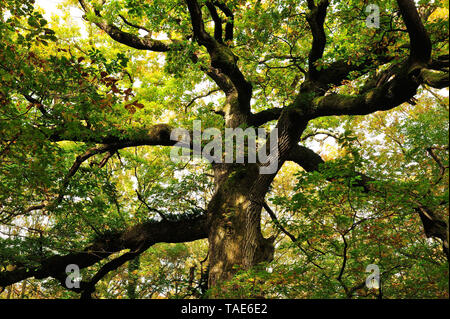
{"points": [[234, 213], [235, 240]]}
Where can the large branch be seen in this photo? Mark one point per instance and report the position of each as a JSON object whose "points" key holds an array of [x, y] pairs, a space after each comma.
{"points": [[338, 71], [311, 161], [420, 44], [198, 27], [134, 41], [217, 21], [399, 89], [437, 79], [229, 26], [391, 88], [223, 69], [400, 86], [137, 238], [129, 39], [87, 288], [260, 118], [434, 225], [147, 43], [316, 20], [420, 51], [158, 134], [222, 59]]}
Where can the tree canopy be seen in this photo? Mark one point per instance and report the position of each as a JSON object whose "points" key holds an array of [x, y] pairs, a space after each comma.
{"points": [[357, 92]]}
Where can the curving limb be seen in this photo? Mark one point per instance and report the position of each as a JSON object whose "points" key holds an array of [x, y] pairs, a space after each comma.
{"points": [[316, 20], [434, 226], [135, 239]]}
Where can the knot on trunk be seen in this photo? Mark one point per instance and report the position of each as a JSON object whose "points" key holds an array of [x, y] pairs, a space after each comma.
{"points": [[265, 250]]}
